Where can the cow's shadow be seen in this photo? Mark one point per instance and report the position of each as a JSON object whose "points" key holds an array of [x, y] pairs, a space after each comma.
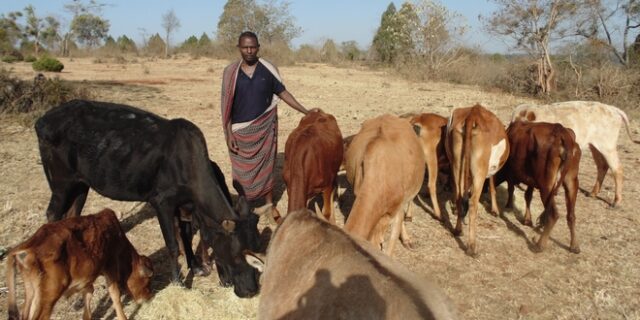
{"points": [[145, 213]]}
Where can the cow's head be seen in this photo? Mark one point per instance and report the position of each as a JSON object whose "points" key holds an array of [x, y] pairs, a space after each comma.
{"points": [[228, 245], [140, 279]]}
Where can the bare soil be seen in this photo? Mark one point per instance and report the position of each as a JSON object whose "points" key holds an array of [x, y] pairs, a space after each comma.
{"points": [[506, 281]]}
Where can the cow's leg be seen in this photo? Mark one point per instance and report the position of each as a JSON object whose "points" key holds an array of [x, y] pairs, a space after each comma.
{"points": [[77, 197], [550, 214], [492, 192], [404, 235], [165, 213], [474, 201], [49, 292], [88, 294], [114, 293], [203, 251], [613, 161], [432, 169], [528, 195], [570, 193], [398, 219], [602, 166], [31, 294], [510, 189], [327, 204], [186, 234]]}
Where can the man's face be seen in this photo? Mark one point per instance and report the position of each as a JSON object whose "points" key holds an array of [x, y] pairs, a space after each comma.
{"points": [[249, 49]]}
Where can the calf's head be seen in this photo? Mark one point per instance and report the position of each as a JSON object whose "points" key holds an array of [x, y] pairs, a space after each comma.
{"points": [[140, 279]]}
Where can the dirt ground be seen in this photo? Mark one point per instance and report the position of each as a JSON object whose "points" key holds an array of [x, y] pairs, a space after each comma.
{"points": [[506, 281]]}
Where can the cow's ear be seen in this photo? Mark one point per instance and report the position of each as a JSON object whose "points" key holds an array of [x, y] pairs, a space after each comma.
{"points": [[255, 260], [242, 206], [146, 271], [228, 225], [416, 129]]}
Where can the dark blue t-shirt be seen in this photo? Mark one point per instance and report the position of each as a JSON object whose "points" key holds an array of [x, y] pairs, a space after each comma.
{"points": [[254, 95]]}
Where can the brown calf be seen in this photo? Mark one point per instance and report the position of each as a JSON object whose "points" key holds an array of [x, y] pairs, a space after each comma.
{"points": [[433, 129], [544, 156], [477, 147], [312, 157], [385, 166], [66, 257]]}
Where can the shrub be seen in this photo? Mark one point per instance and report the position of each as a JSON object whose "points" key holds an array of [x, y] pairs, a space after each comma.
{"points": [[47, 64], [30, 59], [9, 59]]}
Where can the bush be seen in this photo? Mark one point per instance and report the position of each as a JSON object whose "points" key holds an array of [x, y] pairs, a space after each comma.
{"points": [[30, 59], [12, 56], [47, 64], [9, 59]]}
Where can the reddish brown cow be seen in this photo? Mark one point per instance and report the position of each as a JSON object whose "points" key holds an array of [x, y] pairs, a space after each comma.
{"points": [[312, 157], [433, 130], [66, 257], [477, 148], [544, 156]]}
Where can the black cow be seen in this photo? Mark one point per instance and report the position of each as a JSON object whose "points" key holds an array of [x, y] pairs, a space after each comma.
{"points": [[128, 154]]}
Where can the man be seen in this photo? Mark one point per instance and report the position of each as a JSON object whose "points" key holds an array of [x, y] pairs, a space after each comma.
{"points": [[251, 88]]}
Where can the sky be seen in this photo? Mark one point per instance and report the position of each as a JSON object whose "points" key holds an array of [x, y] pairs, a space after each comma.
{"points": [[340, 20]]}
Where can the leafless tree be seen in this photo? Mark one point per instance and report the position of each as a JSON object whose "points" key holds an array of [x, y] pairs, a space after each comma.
{"points": [[170, 23]]}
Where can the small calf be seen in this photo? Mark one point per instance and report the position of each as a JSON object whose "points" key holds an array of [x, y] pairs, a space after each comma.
{"points": [[67, 256]]}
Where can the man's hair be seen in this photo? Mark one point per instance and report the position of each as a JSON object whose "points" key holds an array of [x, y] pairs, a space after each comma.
{"points": [[248, 34]]}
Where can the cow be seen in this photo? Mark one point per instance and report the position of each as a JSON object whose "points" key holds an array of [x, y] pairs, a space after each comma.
{"points": [[385, 166], [312, 156], [65, 257], [597, 127], [543, 156], [477, 147], [315, 270], [128, 154], [433, 129]]}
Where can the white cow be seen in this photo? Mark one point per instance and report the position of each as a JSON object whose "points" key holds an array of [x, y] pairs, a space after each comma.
{"points": [[596, 126]]}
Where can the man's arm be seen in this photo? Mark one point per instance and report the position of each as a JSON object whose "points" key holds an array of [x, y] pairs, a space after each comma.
{"points": [[291, 101]]}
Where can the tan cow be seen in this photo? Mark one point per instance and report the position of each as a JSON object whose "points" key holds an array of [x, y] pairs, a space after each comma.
{"points": [[597, 127], [385, 166], [431, 136], [477, 147], [314, 270]]}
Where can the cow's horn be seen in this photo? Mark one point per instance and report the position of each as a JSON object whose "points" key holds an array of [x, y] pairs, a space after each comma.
{"points": [[228, 225]]}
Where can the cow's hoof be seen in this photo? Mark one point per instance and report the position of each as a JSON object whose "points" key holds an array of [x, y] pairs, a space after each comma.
{"points": [[456, 232], [409, 245], [536, 248], [408, 219], [472, 252], [527, 222], [575, 249]]}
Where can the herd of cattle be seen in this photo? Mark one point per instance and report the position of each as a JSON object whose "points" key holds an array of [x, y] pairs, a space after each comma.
{"points": [[128, 154]]}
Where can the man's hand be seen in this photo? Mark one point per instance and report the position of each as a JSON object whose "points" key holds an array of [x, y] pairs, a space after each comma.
{"points": [[314, 110], [232, 144]]}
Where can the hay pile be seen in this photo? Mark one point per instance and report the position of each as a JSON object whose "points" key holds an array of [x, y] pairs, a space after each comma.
{"points": [[175, 302]]}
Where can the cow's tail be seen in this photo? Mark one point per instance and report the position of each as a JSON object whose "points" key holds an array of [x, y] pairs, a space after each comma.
{"points": [[560, 151], [465, 175], [14, 314], [625, 120]]}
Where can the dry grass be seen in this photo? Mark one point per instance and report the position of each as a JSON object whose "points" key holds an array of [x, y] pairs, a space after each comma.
{"points": [[506, 281]]}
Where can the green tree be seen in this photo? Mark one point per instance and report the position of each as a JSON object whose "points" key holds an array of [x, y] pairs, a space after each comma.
{"points": [[384, 43], [89, 29], [329, 51], [10, 31], [190, 44], [170, 23], [204, 41], [125, 44], [155, 45], [271, 21], [350, 50]]}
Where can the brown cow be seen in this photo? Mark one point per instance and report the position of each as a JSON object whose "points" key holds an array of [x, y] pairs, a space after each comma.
{"points": [[312, 157], [66, 257], [385, 166], [314, 270], [543, 156], [477, 147], [596, 126], [433, 130]]}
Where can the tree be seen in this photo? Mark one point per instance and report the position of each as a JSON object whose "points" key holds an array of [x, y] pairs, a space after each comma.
{"points": [[85, 17], [204, 41], [170, 23], [10, 31], [33, 27], [438, 34], [155, 45], [599, 22], [383, 41], [329, 51], [271, 21], [533, 25], [350, 50], [125, 44]]}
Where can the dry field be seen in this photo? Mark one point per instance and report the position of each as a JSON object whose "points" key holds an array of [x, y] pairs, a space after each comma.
{"points": [[506, 281]]}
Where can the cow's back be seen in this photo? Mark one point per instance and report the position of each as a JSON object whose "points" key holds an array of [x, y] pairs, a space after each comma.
{"points": [[593, 122], [316, 271]]}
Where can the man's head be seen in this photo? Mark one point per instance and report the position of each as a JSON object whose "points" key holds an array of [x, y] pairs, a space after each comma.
{"points": [[249, 47]]}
